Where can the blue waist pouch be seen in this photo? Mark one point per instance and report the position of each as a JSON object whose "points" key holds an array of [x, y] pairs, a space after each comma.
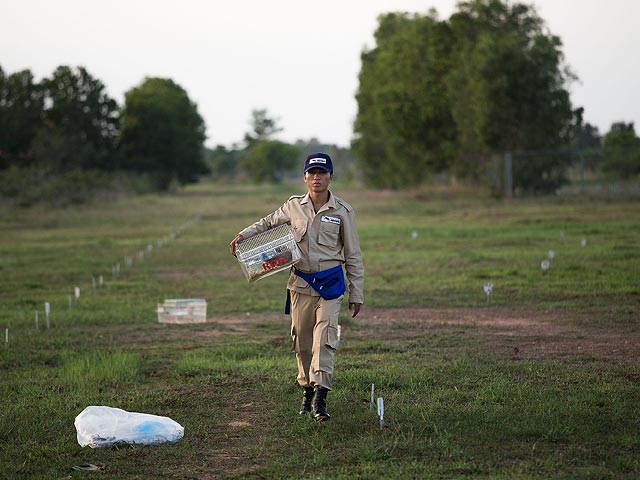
{"points": [[328, 283]]}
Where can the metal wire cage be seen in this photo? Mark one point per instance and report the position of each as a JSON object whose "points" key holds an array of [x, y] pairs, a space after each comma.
{"points": [[268, 252]]}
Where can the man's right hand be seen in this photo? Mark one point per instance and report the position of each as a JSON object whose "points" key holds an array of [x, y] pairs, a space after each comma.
{"points": [[234, 242]]}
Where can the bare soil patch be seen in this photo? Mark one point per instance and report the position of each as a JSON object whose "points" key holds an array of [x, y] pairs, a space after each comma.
{"points": [[506, 332], [502, 331]]}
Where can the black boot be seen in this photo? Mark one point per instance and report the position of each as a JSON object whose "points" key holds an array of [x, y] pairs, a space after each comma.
{"points": [[319, 405], [307, 398]]}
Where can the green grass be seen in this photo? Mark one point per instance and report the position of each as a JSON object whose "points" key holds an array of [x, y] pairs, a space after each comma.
{"points": [[100, 368], [459, 403]]}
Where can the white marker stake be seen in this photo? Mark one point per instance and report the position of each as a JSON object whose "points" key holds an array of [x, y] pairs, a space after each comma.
{"points": [[47, 311], [69, 302], [100, 281], [381, 411], [37, 324], [372, 397], [6, 338], [76, 292], [488, 288]]}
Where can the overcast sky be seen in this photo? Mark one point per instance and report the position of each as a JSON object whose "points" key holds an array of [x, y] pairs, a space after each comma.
{"points": [[299, 60]]}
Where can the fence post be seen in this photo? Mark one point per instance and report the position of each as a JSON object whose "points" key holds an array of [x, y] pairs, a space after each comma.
{"points": [[582, 183], [508, 175], [495, 173]]}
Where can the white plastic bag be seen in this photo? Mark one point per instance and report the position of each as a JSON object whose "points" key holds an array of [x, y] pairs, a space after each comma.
{"points": [[105, 426]]}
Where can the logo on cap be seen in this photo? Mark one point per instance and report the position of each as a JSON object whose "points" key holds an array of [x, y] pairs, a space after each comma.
{"points": [[318, 160]]}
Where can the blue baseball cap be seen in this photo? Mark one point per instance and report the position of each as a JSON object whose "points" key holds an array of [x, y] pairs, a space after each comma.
{"points": [[318, 160]]}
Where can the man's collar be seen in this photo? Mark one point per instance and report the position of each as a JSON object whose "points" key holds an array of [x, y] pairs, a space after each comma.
{"points": [[330, 204], [332, 200]]}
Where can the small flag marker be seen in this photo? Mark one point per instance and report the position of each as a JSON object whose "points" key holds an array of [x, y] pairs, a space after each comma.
{"points": [[371, 405]]}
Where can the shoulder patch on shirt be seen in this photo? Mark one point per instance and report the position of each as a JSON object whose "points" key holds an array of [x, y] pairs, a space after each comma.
{"points": [[348, 207], [334, 220]]}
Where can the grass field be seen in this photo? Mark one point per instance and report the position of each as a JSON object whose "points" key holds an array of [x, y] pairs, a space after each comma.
{"points": [[541, 380]]}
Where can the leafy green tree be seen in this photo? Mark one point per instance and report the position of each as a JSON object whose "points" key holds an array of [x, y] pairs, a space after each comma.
{"points": [[404, 128], [21, 114], [222, 162], [586, 143], [622, 150], [262, 126], [163, 133], [265, 159], [443, 95], [81, 122], [511, 73], [584, 136]]}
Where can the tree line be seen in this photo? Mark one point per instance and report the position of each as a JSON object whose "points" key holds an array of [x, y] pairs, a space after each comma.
{"points": [[65, 133], [262, 158], [68, 122], [434, 97], [444, 95]]}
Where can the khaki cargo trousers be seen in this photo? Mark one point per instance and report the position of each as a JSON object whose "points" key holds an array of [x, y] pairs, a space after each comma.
{"points": [[314, 330]]}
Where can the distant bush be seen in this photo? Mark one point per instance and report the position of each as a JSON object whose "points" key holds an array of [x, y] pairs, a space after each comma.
{"points": [[35, 185], [622, 150]]}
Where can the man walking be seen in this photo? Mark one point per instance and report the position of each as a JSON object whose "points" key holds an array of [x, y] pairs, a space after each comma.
{"points": [[325, 231]]}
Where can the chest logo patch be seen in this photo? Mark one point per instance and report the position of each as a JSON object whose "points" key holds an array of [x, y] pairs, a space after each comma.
{"points": [[334, 220]]}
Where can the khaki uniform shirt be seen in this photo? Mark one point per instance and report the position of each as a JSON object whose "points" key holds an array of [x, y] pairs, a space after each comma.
{"points": [[326, 239]]}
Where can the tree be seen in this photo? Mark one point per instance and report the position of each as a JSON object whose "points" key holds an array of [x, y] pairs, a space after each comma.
{"points": [[404, 128], [584, 136], [519, 81], [222, 162], [443, 95], [509, 71], [162, 133], [262, 127], [621, 148], [21, 114], [265, 159], [81, 122], [586, 142]]}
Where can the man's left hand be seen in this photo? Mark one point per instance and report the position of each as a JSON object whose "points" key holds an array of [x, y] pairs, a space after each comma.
{"points": [[355, 309]]}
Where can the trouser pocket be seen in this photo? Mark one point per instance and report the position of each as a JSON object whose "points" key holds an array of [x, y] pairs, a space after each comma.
{"points": [[332, 337], [294, 339]]}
